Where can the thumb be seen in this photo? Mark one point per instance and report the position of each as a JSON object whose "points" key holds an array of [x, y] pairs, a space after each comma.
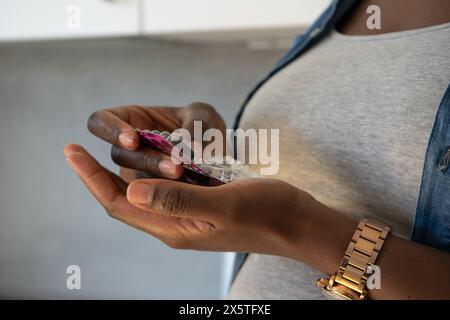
{"points": [[176, 198]]}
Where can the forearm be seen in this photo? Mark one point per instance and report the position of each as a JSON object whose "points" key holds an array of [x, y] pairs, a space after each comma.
{"points": [[319, 236]]}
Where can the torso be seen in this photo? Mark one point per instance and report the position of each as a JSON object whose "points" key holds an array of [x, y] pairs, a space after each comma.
{"points": [[355, 114]]}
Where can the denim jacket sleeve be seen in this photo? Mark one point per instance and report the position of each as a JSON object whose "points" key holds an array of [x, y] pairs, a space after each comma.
{"points": [[432, 220]]}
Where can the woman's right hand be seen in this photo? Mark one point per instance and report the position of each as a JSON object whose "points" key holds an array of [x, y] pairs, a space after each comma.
{"points": [[116, 126]]}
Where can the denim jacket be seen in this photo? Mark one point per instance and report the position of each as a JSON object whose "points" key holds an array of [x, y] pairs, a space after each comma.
{"points": [[432, 217]]}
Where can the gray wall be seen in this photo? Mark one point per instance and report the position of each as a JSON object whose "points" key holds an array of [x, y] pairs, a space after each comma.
{"points": [[47, 219]]}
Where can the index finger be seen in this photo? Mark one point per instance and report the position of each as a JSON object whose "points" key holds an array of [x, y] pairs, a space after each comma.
{"points": [[111, 126], [107, 189]]}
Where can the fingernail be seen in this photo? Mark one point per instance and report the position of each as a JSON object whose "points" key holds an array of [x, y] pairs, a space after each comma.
{"points": [[140, 193], [126, 139], [168, 168]]}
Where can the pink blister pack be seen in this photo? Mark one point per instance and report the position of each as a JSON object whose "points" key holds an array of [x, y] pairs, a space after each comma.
{"points": [[155, 140], [162, 142]]}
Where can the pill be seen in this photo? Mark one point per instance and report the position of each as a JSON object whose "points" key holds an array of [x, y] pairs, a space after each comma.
{"points": [[165, 134]]}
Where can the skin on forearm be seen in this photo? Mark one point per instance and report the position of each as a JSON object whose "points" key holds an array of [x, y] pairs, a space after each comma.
{"points": [[319, 237]]}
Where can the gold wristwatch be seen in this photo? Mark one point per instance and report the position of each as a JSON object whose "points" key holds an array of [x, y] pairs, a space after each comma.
{"points": [[349, 283]]}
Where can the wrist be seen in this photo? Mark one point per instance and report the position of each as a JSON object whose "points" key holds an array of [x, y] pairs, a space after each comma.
{"points": [[318, 235]]}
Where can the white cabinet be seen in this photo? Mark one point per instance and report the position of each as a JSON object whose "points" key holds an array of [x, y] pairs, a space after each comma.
{"points": [[210, 20], [229, 19], [50, 19]]}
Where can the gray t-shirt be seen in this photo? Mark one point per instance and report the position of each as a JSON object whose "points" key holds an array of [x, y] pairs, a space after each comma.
{"points": [[355, 114]]}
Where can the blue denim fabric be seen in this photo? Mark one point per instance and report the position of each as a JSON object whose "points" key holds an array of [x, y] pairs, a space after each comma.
{"points": [[432, 219]]}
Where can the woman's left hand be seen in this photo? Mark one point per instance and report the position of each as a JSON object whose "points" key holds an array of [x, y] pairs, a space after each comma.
{"points": [[258, 216], [254, 215]]}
